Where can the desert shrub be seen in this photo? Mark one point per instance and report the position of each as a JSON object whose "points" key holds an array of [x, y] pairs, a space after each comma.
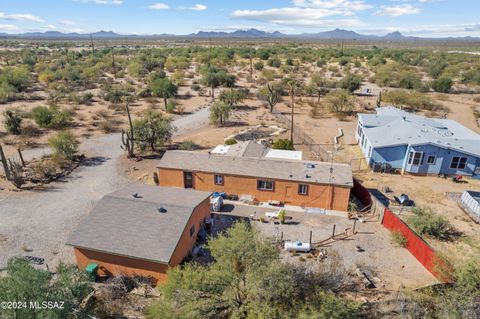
{"points": [[410, 100], [61, 119], [350, 82], [64, 146], [398, 239], [343, 61], [86, 98], [340, 101], [17, 77], [425, 222], [171, 105], [443, 84], [231, 141], [196, 87], [7, 92], [13, 121], [51, 117], [283, 144], [42, 115], [189, 145], [258, 66], [274, 62]]}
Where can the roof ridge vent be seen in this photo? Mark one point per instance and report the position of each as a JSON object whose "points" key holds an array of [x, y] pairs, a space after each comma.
{"points": [[162, 210]]}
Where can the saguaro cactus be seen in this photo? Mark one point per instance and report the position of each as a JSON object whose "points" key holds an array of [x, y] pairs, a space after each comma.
{"points": [[128, 139]]}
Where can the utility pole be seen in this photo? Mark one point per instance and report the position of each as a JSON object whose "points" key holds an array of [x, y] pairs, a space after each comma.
{"points": [[291, 84], [113, 63], [91, 43], [251, 65]]}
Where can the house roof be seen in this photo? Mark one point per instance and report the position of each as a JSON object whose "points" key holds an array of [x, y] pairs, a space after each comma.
{"points": [[268, 168], [392, 127], [121, 224], [242, 149]]}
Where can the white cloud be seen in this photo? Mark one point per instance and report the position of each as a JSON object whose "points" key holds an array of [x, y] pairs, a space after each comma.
{"points": [[8, 27], [305, 17], [198, 7], [50, 27], [346, 5], [396, 11], [159, 6], [310, 13], [20, 17], [67, 22]]}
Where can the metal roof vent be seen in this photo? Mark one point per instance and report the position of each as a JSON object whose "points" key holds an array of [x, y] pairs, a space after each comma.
{"points": [[307, 176], [136, 195], [162, 210], [310, 165]]}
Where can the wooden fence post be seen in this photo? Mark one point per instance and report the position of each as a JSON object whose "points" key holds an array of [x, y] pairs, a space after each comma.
{"points": [[4, 163], [21, 157]]}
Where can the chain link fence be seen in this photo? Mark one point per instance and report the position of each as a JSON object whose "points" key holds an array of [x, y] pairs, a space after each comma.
{"points": [[321, 152]]}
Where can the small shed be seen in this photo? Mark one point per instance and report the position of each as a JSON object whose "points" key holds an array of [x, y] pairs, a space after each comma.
{"points": [[470, 201]]}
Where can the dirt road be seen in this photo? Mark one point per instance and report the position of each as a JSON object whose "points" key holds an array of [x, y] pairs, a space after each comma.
{"points": [[37, 223]]}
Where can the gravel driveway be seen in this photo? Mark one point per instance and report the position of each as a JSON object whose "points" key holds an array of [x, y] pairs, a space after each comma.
{"points": [[37, 223]]}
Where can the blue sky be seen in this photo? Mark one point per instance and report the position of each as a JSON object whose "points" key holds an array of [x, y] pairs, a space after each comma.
{"points": [[436, 18]]}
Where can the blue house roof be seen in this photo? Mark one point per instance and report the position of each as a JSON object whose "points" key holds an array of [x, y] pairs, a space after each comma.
{"points": [[392, 127]]}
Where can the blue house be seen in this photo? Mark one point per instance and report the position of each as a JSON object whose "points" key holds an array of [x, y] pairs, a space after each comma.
{"points": [[418, 145]]}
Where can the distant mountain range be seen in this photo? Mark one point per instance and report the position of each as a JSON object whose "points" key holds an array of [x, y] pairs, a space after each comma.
{"points": [[337, 34]]}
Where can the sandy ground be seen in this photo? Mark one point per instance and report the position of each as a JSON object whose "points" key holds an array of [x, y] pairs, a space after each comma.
{"points": [[37, 223], [380, 257], [431, 191]]}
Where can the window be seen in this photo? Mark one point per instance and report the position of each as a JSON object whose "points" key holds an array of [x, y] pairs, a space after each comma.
{"points": [[431, 160], [302, 189], [370, 151], [218, 179], [192, 230], [265, 185], [458, 162], [415, 158]]}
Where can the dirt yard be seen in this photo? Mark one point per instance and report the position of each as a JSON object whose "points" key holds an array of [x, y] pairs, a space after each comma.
{"points": [[388, 265], [431, 191]]}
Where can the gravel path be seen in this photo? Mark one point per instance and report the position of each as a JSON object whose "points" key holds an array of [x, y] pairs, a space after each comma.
{"points": [[37, 223]]}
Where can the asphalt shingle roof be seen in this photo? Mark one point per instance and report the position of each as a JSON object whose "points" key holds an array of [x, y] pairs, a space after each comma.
{"points": [[269, 168], [123, 225]]}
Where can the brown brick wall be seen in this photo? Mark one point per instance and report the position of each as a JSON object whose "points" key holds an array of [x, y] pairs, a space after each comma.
{"points": [[322, 196], [186, 242], [120, 265]]}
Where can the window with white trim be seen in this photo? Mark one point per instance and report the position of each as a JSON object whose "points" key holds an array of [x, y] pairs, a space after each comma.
{"points": [[265, 185], [415, 158], [431, 160], [302, 189], [459, 162]]}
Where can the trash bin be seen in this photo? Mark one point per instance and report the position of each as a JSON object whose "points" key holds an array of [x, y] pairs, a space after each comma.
{"points": [[92, 271]]}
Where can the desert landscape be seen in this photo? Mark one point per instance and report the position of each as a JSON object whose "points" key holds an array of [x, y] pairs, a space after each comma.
{"points": [[82, 118]]}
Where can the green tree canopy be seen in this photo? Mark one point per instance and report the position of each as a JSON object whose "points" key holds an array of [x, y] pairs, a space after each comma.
{"points": [[246, 280], [219, 113], [233, 96], [153, 130], [164, 88], [22, 282]]}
